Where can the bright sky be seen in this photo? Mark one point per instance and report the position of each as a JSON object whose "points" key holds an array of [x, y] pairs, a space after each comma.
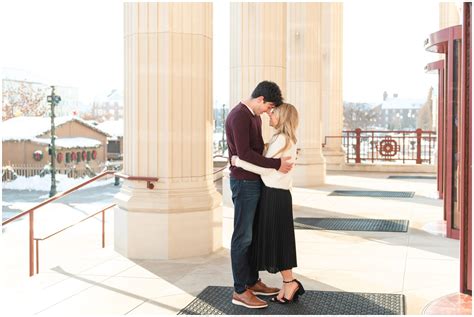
{"points": [[384, 48], [80, 44]]}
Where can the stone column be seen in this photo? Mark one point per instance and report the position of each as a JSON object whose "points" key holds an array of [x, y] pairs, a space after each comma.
{"points": [[449, 14], [257, 50], [304, 76], [257, 53], [168, 134], [332, 100]]}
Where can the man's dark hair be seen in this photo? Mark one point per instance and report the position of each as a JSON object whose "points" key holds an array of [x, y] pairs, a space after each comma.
{"points": [[270, 92]]}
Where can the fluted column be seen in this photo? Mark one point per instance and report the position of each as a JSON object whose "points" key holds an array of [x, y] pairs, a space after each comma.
{"points": [[168, 133], [257, 53], [332, 100], [449, 14], [257, 50], [304, 84]]}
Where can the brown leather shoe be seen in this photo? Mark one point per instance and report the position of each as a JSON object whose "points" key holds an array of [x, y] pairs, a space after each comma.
{"points": [[260, 288], [248, 299]]}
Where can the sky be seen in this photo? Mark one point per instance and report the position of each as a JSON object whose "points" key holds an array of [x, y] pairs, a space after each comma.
{"points": [[80, 44]]}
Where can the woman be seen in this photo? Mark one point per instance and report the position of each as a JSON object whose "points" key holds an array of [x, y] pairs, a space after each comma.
{"points": [[273, 246]]}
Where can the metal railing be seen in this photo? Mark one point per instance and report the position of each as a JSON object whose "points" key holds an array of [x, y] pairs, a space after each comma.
{"points": [[30, 213], [55, 233], [388, 146]]}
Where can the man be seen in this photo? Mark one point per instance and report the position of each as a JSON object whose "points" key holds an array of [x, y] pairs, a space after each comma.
{"points": [[244, 139]]}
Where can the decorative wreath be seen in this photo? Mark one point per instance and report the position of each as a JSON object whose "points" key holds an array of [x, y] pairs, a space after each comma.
{"points": [[59, 157], [38, 155]]}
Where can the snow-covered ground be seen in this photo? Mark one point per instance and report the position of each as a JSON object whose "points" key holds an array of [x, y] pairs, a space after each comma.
{"points": [[44, 183]]}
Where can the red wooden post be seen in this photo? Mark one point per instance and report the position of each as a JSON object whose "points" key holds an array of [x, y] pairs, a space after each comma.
{"points": [[357, 148], [418, 146]]}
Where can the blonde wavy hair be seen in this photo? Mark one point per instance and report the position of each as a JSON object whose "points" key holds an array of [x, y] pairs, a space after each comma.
{"points": [[287, 124]]}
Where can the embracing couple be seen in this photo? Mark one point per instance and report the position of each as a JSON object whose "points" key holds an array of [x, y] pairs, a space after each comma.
{"points": [[260, 180]]}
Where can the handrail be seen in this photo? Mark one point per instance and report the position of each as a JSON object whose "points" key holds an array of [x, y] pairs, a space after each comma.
{"points": [[90, 216], [148, 180], [57, 196], [55, 233], [30, 212]]}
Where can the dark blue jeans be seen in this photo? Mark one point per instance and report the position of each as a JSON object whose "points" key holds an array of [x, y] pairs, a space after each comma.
{"points": [[245, 195]]}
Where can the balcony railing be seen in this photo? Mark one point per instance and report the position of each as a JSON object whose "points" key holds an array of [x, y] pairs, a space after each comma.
{"points": [[387, 146]]}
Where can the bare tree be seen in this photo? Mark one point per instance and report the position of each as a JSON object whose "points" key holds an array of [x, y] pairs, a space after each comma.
{"points": [[359, 115], [424, 120], [21, 98]]}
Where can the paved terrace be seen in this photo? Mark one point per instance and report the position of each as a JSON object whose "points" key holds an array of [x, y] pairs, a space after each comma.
{"points": [[77, 276]]}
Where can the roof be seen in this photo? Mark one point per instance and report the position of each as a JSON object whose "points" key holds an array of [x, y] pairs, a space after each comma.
{"points": [[70, 143], [28, 128], [114, 128], [397, 103]]}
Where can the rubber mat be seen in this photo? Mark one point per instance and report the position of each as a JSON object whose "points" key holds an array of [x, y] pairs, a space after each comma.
{"points": [[217, 300], [351, 224], [372, 193], [411, 177]]}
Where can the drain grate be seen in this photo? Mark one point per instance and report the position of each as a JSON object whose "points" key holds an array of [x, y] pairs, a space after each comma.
{"points": [[216, 300], [372, 193], [351, 224], [411, 177]]}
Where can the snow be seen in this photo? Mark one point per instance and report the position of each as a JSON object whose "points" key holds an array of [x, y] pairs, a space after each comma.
{"points": [[27, 128], [114, 128], [71, 143], [44, 183], [396, 103]]}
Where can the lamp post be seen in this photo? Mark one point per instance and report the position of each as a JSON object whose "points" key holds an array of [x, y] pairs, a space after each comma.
{"points": [[53, 99]]}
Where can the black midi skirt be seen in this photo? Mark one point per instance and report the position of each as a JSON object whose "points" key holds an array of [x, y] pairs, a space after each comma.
{"points": [[273, 241]]}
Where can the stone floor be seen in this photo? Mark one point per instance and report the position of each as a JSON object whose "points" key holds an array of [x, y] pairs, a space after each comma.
{"points": [[78, 277]]}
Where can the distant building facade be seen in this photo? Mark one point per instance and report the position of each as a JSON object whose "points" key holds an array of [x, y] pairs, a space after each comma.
{"points": [[110, 107], [25, 141], [115, 140], [397, 113]]}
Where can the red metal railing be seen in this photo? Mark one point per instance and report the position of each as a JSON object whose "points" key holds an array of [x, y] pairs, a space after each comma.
{"points": [[53, 234], [30, 212], [393, 146]]}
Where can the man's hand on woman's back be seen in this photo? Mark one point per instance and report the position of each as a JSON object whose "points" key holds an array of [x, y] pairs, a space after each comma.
{"points": [[285, 166]]}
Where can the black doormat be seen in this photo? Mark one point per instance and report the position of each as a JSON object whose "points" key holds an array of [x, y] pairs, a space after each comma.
{"points": [[372, 193], [216, 300], [411, 177], [352, 224]]}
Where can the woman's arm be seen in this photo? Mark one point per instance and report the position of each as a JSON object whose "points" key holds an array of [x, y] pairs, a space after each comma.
{"points": [[254, 168]]}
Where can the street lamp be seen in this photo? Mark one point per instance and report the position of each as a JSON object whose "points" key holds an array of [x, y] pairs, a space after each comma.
{"points": [[53, 99]]}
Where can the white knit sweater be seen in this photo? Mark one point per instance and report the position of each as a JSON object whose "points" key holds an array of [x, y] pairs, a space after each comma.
{"points": [[270, 176]]}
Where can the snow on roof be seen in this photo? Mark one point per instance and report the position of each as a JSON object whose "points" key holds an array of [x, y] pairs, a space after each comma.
{"points": [[114, 128], [397, 103], [27, 128], [70, 143]]}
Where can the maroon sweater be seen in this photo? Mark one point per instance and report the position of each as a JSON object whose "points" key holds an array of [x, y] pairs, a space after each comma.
{"points": [[244, 139]]}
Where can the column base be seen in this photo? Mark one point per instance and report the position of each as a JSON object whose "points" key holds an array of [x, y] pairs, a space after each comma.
{"points": [[158, 226], [161, 236], [309, 175], [335, 158]]}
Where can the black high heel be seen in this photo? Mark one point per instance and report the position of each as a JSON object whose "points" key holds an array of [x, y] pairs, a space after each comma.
{"points": [[299, 291]]}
